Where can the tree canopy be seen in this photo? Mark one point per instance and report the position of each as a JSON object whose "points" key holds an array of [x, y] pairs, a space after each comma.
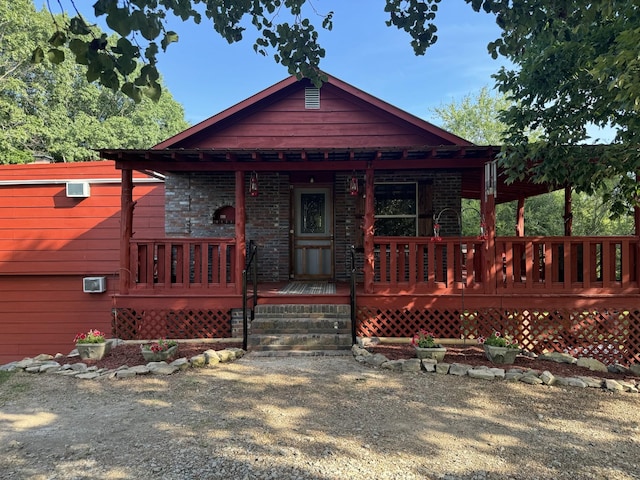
{"points": [[475, 118], [55, 111], [575, 64]]}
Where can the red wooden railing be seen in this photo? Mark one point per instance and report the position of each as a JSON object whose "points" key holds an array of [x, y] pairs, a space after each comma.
{"points": [[567, 264], [423, 262], [183, 263], [523, 264]]}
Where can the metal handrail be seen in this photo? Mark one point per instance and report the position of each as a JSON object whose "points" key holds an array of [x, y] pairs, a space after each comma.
{"points": [[253, 265], [352, 293]]}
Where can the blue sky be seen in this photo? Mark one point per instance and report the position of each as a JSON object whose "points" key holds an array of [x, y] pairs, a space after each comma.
{"points": [[207, 75]]}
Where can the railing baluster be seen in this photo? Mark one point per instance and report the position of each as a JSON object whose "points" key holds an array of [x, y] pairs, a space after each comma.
{"points": [[625, 263]]}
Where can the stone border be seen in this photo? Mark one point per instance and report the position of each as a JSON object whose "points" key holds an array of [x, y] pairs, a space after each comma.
{"points": [[48, 364], [516, 374], [45, 363]]}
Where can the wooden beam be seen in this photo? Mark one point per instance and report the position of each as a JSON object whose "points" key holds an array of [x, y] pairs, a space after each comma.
{"points": [[241, 241], [369, 219], [126, 230], [489, 254], [568, 213], [520, 218]]}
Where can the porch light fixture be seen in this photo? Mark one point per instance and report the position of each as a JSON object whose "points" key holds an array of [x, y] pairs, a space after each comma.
{"points": [[353, 185], [253, 184]]}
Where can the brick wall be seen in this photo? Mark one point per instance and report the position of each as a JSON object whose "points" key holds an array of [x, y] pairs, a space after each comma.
{"points": [[446, 201], [193, 199]]}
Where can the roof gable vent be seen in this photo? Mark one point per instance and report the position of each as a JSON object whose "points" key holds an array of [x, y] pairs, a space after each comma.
{"points": [[312, 98]]}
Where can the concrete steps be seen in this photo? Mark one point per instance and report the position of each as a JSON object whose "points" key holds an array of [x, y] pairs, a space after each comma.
{"points": [[300, 327]]}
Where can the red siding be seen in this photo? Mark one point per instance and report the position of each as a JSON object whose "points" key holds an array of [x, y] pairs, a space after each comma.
{"points": [[44, 232], [341, 122], [49, 242]]}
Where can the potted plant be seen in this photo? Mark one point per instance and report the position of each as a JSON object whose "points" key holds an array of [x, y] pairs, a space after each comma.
{"points": [[500, 349], [160, 350], [92, 345], [426, 346]]}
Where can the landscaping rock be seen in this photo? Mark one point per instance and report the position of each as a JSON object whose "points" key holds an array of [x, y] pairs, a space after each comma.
{"points": [[412, 365], [376, 359], [557, 357], [481, 373], [442, 368], [592, 364], [548, 378], [459, 369]]}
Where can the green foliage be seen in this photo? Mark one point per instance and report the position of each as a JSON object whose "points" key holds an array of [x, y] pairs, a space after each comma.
{"points": [[140, 28], [475, 117], [53, 109], [575, 64]]}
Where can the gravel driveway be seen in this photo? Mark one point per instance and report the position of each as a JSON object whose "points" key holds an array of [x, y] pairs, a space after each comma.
{"points": [[312, 418]]}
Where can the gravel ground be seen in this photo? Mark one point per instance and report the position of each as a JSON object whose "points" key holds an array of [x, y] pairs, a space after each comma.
{"points": [[312, 418]]}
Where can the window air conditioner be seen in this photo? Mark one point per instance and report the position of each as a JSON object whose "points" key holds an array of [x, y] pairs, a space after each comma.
{"points": [[78, 189], [94, 284]]}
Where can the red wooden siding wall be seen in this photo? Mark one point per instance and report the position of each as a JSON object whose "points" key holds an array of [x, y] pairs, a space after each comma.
{"points": [[49, 242], [340, 122]]}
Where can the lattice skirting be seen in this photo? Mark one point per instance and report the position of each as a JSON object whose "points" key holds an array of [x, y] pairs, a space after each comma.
{"points": [[608, 335], [130, 324]]}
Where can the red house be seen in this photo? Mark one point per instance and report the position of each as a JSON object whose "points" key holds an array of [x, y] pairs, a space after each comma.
{"points": [[353, 207], [59, 250]]}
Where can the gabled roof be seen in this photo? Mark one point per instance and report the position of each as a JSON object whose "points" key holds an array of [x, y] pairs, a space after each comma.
{"points": [[425, 133]]}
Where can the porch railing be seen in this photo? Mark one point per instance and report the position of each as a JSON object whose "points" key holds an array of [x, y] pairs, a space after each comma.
{"points": [[194, 263], [552, 264], [448, 263], [563, 264]]}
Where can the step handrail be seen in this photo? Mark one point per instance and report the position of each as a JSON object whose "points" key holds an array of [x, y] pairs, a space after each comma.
{"points": [[352, 293], [252, 264]]}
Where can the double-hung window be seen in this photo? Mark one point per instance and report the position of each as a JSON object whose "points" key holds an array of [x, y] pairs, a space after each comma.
{"points": [[396, 212]]}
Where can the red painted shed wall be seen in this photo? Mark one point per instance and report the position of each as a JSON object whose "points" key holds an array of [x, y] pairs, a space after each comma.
{"points": [[49, 242]]}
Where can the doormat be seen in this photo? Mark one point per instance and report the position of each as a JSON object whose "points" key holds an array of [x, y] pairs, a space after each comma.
{"points": [[308, 288]]}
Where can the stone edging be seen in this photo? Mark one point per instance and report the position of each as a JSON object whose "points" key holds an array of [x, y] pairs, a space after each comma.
{"points": [[516, 374], [49, 364]]}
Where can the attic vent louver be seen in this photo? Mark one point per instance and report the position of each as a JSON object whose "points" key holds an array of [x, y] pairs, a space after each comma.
{"points": [[312, 98]]}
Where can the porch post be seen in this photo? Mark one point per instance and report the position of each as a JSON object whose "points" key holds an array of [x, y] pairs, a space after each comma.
{"points": [[126, 229], [241, 242], [520, 218], [636, 219], [568, 213], [369, 218], [488, 208]]}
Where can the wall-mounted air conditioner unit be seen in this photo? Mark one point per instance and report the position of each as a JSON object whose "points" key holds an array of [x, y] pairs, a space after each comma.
{"points": [[94, 284], [78, 189]]}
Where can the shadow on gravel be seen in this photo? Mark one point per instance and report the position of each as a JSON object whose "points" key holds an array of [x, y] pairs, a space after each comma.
{"points": [[312, 418]]}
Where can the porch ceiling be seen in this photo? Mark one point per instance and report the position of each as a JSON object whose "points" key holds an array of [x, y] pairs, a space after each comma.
{"points": [[469, 159]]}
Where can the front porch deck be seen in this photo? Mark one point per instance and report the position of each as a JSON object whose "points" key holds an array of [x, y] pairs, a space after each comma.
{"points": [[575, 294]]}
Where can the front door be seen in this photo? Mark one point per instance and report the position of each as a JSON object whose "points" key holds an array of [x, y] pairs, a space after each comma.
{"points": [[312, 234]]}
